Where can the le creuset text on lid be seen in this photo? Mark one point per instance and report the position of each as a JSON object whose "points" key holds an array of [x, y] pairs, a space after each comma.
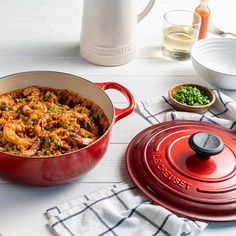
{"points": [[188, 167]]}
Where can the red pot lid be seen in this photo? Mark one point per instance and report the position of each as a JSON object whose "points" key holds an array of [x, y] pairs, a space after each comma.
{"points": [[188, 167]]}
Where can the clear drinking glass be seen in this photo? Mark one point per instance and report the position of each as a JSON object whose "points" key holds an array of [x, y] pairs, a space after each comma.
{"points": [[181, 30]]}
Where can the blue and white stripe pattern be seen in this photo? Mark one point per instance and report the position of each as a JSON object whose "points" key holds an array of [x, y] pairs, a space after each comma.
{"points": [[223, 112], [120, 210]]}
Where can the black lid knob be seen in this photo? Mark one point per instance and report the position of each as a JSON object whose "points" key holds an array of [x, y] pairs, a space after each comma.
{"points": [[205, 144]]}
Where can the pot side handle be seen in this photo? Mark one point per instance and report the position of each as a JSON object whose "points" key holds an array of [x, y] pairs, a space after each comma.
{"points": [[120, 112]]}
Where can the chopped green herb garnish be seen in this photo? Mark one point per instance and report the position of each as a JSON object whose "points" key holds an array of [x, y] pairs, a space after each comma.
{"points": [[3, 107], [48, 141], [59, 110], [51, 109], [95, 116], [48, 127], [47, 94], [17, 100], [48, 152], [12, 148], [58, 143], [65, 126], [12, 108], [192, 96], [38, 152]]}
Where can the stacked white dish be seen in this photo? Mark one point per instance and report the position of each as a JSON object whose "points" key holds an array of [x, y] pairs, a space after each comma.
{"points": [[214, 59]]}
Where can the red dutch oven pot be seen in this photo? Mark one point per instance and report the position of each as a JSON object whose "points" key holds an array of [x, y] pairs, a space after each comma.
{"points": [[188, 167], [46, 171]]}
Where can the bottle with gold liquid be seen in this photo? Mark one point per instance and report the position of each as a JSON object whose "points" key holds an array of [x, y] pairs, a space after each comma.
{"points": [[204, 11]]}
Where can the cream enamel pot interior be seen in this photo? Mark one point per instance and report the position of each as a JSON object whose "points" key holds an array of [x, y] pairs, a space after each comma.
{"points": [[45, 171]]}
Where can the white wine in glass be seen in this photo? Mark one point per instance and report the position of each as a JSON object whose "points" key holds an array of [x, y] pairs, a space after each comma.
{"points": [[178, 40], [181, 30]]}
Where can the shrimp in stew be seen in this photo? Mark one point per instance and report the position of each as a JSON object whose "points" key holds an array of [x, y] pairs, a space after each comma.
{"points": [[39, 121]]}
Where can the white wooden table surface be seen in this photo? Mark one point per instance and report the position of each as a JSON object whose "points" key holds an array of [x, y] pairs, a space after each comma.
{"points": [[44, 35]]}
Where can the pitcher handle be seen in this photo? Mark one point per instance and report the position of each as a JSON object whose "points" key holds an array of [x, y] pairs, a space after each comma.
{"points": [[146, 10], [120, 112]]}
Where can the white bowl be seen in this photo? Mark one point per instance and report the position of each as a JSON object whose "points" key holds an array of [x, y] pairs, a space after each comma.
{"points": [[214, 60]]}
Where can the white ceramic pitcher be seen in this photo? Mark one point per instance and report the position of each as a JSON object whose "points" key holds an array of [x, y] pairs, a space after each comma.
{"points": [[108, 35]]}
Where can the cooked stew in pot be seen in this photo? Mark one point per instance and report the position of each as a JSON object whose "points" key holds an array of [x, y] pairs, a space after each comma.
{"points": [[39, 121]]}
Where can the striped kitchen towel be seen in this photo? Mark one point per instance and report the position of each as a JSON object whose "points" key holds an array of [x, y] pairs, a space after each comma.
{"points": [[223, 112], [120, 210]]}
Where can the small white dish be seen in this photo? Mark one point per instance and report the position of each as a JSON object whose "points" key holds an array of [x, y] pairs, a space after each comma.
{"points": [[214, 60]]}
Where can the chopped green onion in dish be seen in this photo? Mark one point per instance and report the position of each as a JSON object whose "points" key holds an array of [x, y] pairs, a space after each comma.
{"points": [[65, 126], [191, 95], [3, 107], [47, 94], [48, 141], [51, 109], [48, 127], [50, 151]]}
